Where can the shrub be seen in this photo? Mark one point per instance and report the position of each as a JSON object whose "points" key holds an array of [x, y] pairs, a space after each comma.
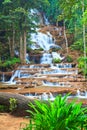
{"points": [[10, 62], [69, 58], [13, 104], [77, 45], [29, 49], [57, 115], [3, 108], [56, 60], [82, 64]]}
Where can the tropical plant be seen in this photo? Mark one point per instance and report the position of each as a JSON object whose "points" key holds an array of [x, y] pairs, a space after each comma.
{"points": [[57, 115]]}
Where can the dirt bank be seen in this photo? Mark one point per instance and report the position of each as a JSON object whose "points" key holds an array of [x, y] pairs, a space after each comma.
{"points": [[9, 122]]}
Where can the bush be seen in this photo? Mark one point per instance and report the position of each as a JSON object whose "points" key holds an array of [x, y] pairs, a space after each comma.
{"points": [[13, 104], [82, 64], [57, 115], [3, 108], [29, 49], [69, 59], [10, 62], [77, 45], [56, 60]]}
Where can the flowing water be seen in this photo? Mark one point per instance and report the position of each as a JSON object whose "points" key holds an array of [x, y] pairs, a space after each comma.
{"points": [[46, 69]]}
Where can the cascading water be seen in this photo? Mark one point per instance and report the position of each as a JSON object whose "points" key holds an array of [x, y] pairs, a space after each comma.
{"points": [[81, 94], [46, 58], [44, 41], [3, 77]]}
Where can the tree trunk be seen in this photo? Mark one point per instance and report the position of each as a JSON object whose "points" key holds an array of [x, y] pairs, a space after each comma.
{"points": [[24, 54], [75, 34], [84, 39], [66, 41], [9, 42], [21, 49], [13, 44]]}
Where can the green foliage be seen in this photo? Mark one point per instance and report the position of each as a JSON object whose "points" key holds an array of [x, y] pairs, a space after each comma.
{"points": [[29, 49], [57, 115], [82, 64], [53, 10], [15, 20], [69, 58], [9, 63], [56, 60], [13, 104], [36, 51], [6, 1], [77, 45], [84, 20], [3, 108]]}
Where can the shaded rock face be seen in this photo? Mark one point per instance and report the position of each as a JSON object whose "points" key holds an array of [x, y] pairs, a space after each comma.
{"points": [[35, 58], [5, 77]]}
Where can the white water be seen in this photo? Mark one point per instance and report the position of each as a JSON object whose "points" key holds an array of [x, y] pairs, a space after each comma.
{"points": [[46, 42], [3, 77], [16, 74], [42, 71], [41, 40], [79, 95], [49, 96], [47, 58], [56, 84], [46, 20], [55, 55], [82, 94]]}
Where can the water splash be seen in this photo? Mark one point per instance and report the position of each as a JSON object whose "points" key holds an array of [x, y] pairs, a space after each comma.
{"points": [[3, 77], [46, 58], [44, 96], [81, 94]]}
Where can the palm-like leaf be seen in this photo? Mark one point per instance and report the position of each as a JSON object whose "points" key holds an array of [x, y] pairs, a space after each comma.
{"points": [[57, 115]]}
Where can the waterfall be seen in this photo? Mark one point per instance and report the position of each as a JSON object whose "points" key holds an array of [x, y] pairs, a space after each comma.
{"points": [[41, 40], [82, 94], [27, 58], [46, 42], [46, 22], [56, 55], [46, 58], [16, 74], [44, 96], [3, 77]]}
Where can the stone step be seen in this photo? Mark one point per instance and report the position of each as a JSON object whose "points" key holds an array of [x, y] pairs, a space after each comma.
{"points": [[39, 90], [6, 73], [46, 69], [50, 79]]}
